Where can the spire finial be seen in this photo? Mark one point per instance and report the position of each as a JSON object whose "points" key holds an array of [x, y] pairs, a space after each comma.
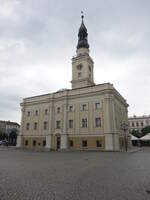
{"points": [[82, 16]]}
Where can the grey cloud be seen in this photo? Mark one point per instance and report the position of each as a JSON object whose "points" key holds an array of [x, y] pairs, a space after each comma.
{"points": [[40, 37]]}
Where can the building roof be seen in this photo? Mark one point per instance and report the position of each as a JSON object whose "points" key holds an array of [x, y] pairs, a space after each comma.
{"points": [[82, 36], [139, 117], [9, 123]]}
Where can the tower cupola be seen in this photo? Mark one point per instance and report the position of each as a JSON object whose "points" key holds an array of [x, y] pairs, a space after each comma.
{"points": [[82, 36]]}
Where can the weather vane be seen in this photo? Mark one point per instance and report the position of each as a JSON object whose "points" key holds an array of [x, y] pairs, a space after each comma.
{"points": [[82, 16]]}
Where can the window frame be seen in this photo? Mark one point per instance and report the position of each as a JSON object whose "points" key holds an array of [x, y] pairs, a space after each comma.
{"points": [[34, 143], [46, 111], [98, 122], [45, 125], [84, 107], [28, 113], [97, 105], [71, 143], [35, 125], [58, 110], [44, 143], [84, 123], [79, 74], [36, 113], [70, 125], [28, 126], [71, 108], [26, 142], [99, 143], [79, 67], [58, 124], [84, 143]]}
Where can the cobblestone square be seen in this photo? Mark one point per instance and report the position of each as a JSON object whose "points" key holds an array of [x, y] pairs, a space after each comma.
{"points": [[29, 175]]}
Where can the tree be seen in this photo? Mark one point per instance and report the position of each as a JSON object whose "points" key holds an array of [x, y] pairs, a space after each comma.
{"points": [[12, 136], [145, 130], [136, 133], [3, 135]]}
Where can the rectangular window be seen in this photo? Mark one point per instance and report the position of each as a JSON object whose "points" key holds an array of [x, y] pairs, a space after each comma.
{"points": [[71, 123], [27, 126], [141, 123], [79, 74], [36, 112], [46, 111], [26, 143], [34, 142], [97, 105], [84, 107], [70, 108], [45, 125], [71, 143], [84, 123], [137, 124], [132, 124], [44, 143], [98, 122], [35, 126], [98, 143], [28, 114], [58, 124], [58, 110], [84, 143]]}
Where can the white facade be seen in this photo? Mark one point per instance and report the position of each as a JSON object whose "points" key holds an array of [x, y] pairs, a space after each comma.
{"points": [[88, 116]]}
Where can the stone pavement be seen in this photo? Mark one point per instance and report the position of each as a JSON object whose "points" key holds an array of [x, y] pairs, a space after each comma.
{"points": [[27, 175]]}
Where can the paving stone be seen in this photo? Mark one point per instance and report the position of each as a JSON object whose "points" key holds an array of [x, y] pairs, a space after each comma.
{"points": [[28, 175]]}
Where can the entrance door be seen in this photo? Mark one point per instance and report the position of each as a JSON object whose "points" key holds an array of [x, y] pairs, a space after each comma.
{"points": [[58, 143]]}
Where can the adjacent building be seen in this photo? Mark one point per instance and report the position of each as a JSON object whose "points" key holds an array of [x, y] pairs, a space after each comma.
{"points": [[88, 116], [8, 126], [138, 122], [11, 129]]}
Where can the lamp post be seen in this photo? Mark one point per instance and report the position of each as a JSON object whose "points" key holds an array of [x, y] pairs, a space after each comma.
{"points": [[124, 127]]}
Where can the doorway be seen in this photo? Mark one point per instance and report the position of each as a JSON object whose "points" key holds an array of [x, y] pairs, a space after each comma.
{"points": [[58, 142]]}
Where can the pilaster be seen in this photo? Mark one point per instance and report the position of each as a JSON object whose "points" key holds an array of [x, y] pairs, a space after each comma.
{"points": [[19, 141], [48, 142], [64, 141]]}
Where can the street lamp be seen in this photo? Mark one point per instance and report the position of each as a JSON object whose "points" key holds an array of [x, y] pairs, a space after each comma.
{"points": [[124, 127]]}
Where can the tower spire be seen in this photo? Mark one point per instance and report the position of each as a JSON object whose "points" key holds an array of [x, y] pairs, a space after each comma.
{"points": [[82, 35]]}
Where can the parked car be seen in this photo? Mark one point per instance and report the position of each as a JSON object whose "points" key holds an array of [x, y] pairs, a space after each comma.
{"points": [[4, 142]]}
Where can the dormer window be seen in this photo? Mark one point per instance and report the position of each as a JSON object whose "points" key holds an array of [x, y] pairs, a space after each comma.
{"points": [[79, 67]]}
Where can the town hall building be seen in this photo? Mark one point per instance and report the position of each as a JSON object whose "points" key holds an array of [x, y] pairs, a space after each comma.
{"points": [[86, 117]]}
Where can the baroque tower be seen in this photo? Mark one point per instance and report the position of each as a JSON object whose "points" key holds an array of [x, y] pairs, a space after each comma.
{"points": [[82, 63]]}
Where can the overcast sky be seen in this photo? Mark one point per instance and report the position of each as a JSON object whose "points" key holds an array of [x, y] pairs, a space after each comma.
{"points": [[38, 39]]}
